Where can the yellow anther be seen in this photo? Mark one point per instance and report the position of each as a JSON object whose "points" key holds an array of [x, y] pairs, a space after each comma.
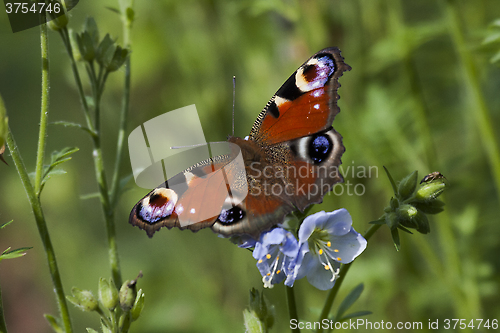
{"points": [[268, 274], [320, 251], [260, 261], [329, 244], [327, 267], [268, 256], [278, 271], [339, 259], [335, 250]]}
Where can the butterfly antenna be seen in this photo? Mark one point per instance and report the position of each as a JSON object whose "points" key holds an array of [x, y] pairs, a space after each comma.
{"points": [[234, 98]]}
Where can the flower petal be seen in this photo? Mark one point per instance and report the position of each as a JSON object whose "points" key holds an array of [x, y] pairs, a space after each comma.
{"points": [[349, 246]]}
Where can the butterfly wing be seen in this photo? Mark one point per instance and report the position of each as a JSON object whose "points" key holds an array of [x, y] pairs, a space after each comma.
{"points": [[192, 199], [306, 103], [292, 154]]}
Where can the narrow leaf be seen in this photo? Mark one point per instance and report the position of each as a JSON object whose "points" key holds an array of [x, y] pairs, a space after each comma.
{"points": [[90, 196], [356, 314], [395, 238], [114, 10], [70, 124], [6, 224], [14, 253], [349, 300], [393, 184], [54, 323]]}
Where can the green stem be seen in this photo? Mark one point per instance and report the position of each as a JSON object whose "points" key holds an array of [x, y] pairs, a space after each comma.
{"points": [[66, 41], [343, 272], [3, 325], [480, 109], [121, 135], [42, 230], [44, 109], [98, 160], [292, 307]]}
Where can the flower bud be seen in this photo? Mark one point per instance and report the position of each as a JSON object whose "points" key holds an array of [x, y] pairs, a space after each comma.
{"points": [[84, 299], [406, 214], [260, 307], [58, 22], [128, 294], [391, 219], [73, 39], [108, 294], [430, 207], [430, 191], [138, 305], [85, 46], [252, 322], [118, 59], [407, 185], [394, 204]]}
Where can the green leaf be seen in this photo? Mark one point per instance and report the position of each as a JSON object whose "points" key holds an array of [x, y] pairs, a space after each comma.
{"points": [[54, 322], [113, 9], [14, 253], [91, 330], [395, 238], [130, 15], [70, 124], [6, 224], [393, 184], [491, 39], [380, 221], [349, 300], [495, 58], [90, 196], [57, 158], [404, 229], [356, 314]]}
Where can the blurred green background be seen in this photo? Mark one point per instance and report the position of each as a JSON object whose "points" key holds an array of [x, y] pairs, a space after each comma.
{"points": [[416, 98]]}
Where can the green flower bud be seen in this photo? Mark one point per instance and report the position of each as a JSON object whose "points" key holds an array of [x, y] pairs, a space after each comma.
{"points": [[260, 307], [391, 219], [430, 191], [408, 185], [138, 305], [91, 28], [406, 215], [430, 207], [128, 294], [83, 299], [58, 23], [86, 46], [252, 322], [422, 222], [108, 294], [105, 51], [118, 59], [73, 39], [394, 204]]}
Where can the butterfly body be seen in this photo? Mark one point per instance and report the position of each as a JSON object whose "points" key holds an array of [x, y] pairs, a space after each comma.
{"points": [[289, 161]]}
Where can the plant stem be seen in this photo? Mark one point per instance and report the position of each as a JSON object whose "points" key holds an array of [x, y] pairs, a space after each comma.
{"points": [[42, 230], [44, 109], [480, 109], [3, 326], [343, 272], [107, 207], [292, 307]]}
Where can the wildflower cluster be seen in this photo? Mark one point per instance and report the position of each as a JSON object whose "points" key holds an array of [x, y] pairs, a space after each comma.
{"points": [[325, 240]]}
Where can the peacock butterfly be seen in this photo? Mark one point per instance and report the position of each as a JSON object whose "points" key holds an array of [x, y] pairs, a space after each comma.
{"points": [[290, 161]]}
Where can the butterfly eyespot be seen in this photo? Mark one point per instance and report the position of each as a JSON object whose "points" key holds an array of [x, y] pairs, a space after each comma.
{"points": [[319, 148], [233, 215], [159, 205]]}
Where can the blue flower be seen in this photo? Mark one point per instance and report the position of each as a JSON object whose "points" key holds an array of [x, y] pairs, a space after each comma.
{"points": [[325, 240], [274, 252]]}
